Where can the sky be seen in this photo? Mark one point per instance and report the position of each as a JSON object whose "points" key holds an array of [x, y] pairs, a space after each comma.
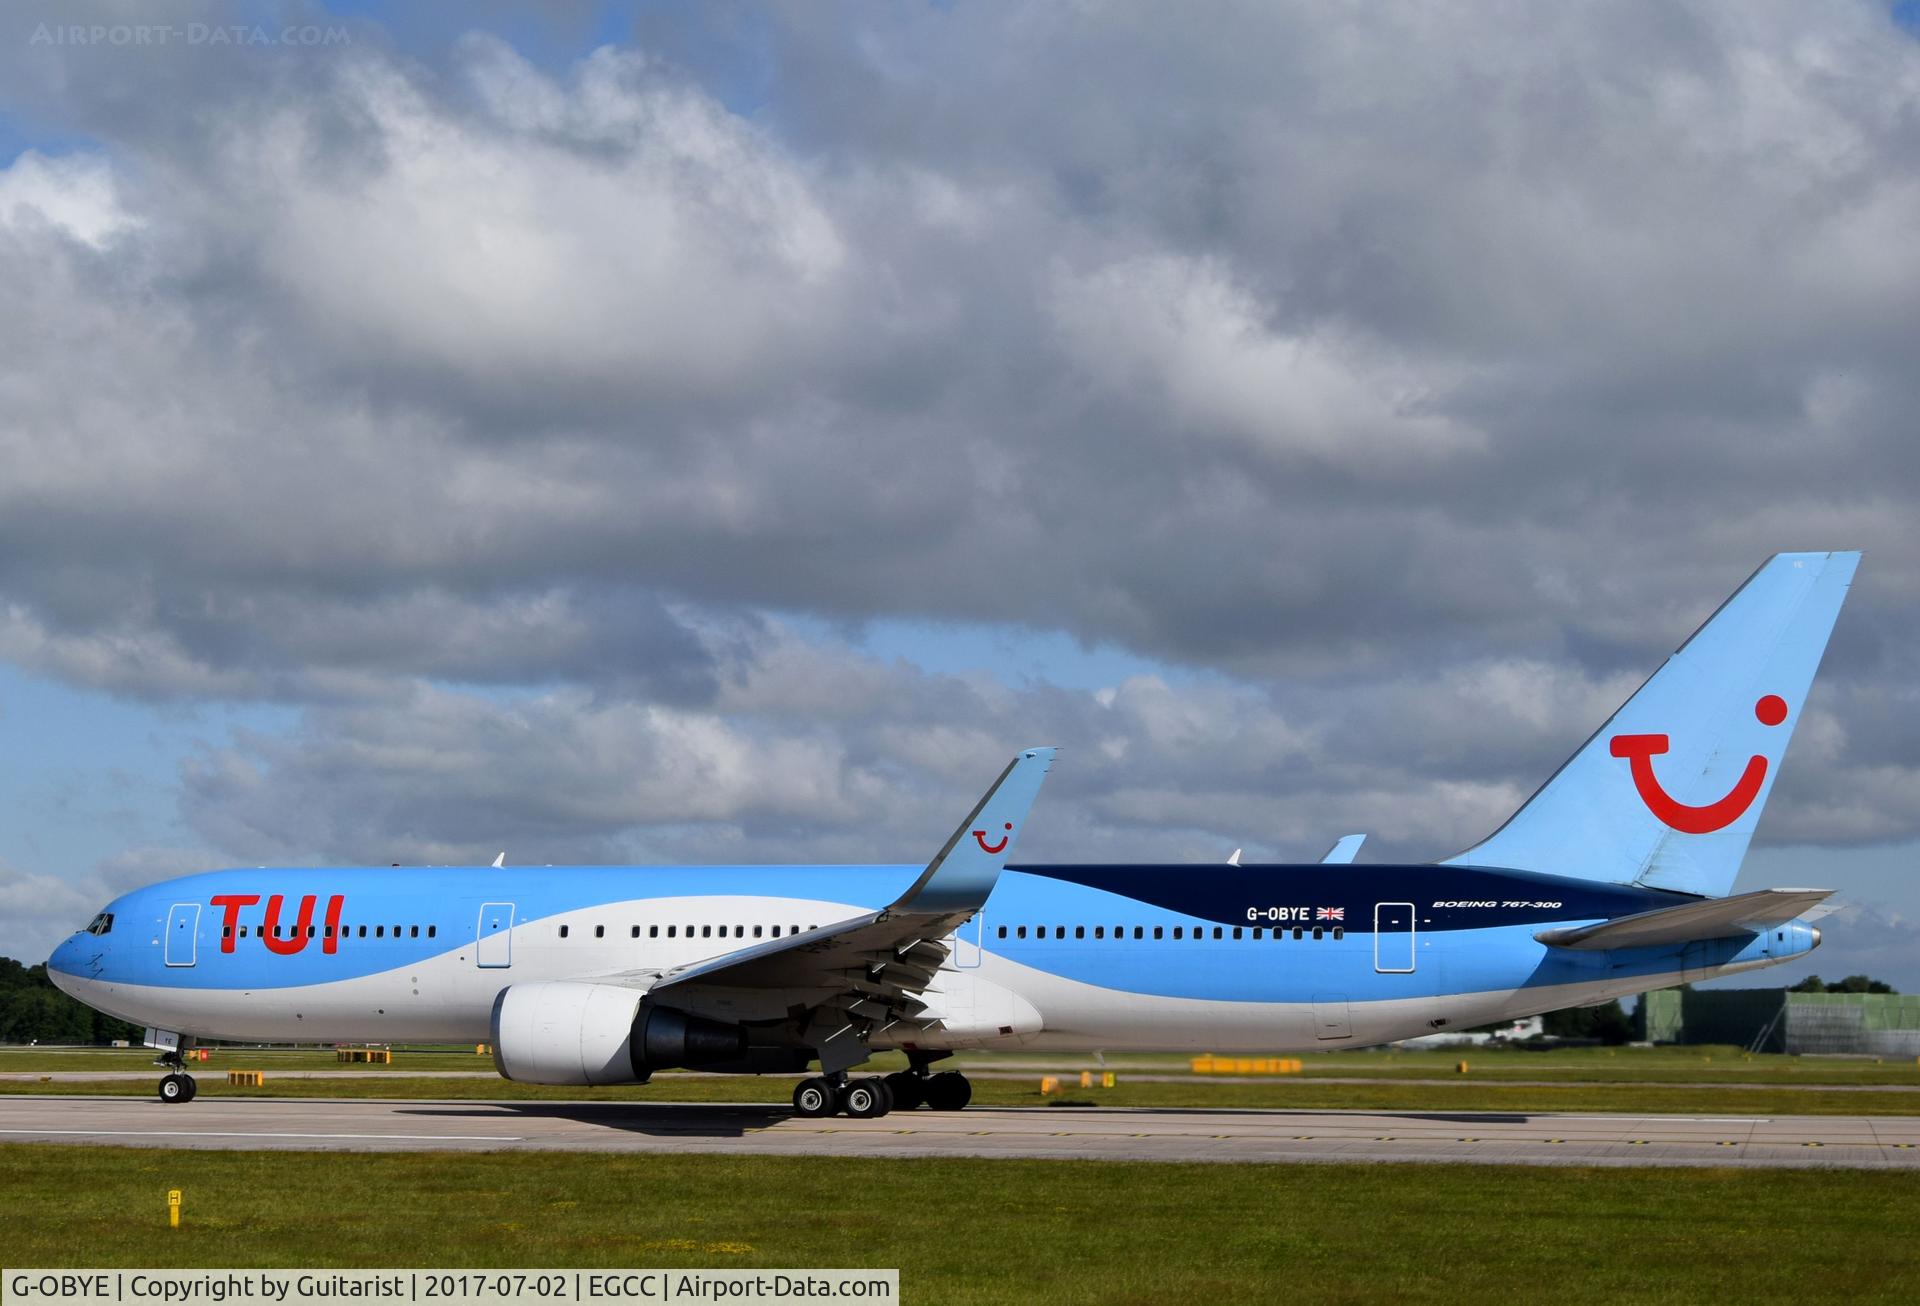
{"points": [[710, 433]]}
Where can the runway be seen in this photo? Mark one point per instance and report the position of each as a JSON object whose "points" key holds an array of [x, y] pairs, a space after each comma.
{"points": [[1054, 1133]]}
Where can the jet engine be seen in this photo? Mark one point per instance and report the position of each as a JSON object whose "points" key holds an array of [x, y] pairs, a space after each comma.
{"points": [[576, 1032]]}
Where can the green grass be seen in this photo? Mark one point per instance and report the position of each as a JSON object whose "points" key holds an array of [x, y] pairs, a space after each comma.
{"points": [[997, 1231], [1666, 1080], [1672, 1065], [1296, 1094]]}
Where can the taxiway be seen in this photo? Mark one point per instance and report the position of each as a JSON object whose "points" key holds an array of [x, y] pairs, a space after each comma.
{"points": [[1516, 1138]]}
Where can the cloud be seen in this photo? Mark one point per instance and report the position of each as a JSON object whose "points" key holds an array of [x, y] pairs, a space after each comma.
{"points": [[1403, 388]]}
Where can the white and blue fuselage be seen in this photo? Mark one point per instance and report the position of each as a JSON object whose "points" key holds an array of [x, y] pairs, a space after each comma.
{"points": [[1145, 957]]}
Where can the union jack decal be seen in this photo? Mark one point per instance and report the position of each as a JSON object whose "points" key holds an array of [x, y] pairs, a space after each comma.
{"points": [[1330, 913]]}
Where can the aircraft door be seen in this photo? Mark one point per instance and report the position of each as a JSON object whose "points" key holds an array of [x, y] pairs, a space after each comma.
{"points": [[1393, 938], [1330, 1018], [967, 940], [493, 936], [183, 934]]}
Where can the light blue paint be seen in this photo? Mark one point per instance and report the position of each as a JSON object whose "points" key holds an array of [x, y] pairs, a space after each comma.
{"points": [[1593, 822]]}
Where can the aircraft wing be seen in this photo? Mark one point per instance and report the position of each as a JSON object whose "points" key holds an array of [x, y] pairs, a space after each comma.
{"points": [[847, 981], [1344, 849], [1710, 918]]}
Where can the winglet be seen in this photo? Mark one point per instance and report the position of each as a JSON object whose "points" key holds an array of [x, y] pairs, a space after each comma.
{"points": [[1343, 850], [961, 876]]}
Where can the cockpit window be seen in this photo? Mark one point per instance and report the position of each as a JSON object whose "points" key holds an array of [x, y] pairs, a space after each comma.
{"points": [[101, 924]]}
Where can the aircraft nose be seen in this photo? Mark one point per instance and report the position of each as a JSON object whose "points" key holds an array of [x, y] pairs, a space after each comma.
{"points": [[64, 963]]}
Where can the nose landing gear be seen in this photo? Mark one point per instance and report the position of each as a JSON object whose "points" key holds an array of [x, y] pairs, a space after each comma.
{"points": [[176, 1085]]}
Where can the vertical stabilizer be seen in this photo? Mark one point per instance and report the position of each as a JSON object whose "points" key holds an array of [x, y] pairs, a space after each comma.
{"points": [[1667, 793]]}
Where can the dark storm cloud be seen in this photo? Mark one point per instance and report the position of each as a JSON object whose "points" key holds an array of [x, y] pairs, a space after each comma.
{"points": [[1424, 377]]}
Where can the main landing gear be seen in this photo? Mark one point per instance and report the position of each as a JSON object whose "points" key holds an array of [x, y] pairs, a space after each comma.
{"points": [[176, 1085], [868, 1098]]}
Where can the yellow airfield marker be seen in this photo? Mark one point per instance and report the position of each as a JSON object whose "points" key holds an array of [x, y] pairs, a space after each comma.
{"points": [[173, 1208]]}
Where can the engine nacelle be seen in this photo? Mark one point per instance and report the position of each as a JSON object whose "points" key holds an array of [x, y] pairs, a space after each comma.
{"points": [[578, 1032]]}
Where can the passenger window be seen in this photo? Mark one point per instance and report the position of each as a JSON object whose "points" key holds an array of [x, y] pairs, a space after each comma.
{"points": [[1022, 931], [1339, 932], [1236, 931], [673, 931], [1079, 931], [363, 931], [379, 931], [1157, 930], [739, 931], [243, 931], [226, 931], [1139, 931], [706, 931], [1298, 933], [757, 929], [653, 931], [414, 932], [1099, 931], [432, 930], [599, 931], [563, 931], [1003, 932], [1179, 931], [1256, 932], [1216, 932], [1318, 933], [776, 931]]}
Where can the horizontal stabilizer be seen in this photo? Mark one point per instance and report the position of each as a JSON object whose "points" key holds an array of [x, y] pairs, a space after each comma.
{"points": [[1343, 850], [1713, 918]]}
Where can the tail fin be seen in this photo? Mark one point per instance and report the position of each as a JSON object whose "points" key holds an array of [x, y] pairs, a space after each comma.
{"points": [[1717, 717]]}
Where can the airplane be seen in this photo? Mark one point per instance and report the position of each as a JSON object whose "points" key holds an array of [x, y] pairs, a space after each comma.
{"points": [[1613, 878]]}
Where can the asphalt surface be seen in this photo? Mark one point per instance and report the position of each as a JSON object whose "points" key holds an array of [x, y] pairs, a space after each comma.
{"points": [[1508, 1138], [1068, 1076]]}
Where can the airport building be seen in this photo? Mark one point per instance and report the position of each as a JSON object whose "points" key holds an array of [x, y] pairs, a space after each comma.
{"points": [[1775, 1020]]}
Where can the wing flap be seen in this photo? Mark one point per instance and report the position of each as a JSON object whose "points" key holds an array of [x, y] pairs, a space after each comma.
{"points": [[1710, 918], [843, 981]]}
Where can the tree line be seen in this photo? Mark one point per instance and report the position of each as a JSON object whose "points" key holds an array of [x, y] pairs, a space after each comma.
{"points": [[32, 1010]]}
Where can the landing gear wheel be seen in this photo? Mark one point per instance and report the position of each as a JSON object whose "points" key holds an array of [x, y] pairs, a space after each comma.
{"points": [[909, 1090], [175, 1088], [949, 1091], [193, 1087], [865, 1099], [814, 1098]]}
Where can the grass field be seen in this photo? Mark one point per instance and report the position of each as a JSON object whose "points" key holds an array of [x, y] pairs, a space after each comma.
{"points": [[1301, 1095], [1597, 1065], [1675, 1080], [997, 1231]]}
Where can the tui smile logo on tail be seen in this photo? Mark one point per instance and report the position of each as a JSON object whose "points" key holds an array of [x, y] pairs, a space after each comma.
{"points": [[1642, 749], [980, 837]]}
